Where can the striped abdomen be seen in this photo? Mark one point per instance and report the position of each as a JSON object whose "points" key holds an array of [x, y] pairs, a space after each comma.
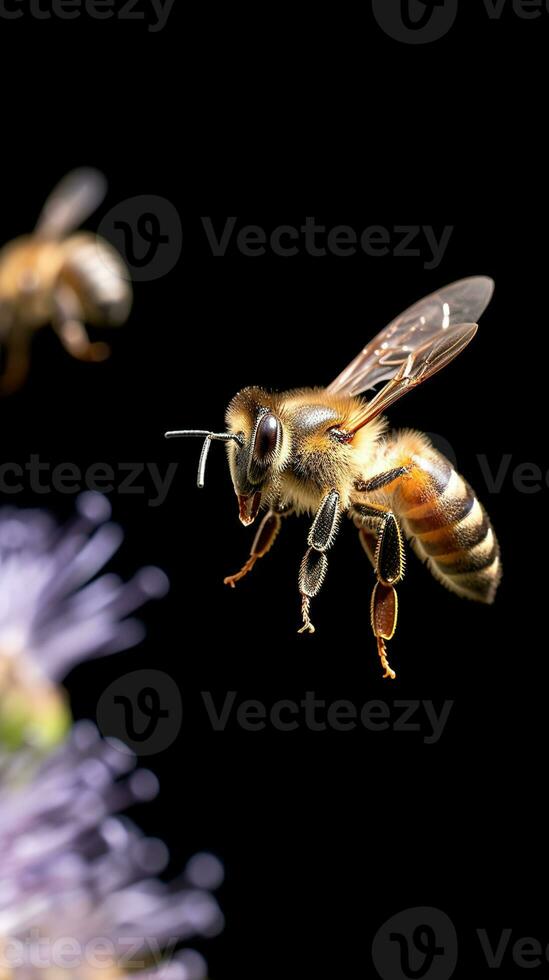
{"points": [[96, 272], [449, 527]]}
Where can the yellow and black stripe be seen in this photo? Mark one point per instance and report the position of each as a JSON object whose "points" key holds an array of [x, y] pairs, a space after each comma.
{"points": [[448, 527]]}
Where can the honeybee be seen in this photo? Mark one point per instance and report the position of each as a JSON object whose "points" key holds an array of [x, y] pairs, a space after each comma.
{"points": [[327, 452], [53, 276]]}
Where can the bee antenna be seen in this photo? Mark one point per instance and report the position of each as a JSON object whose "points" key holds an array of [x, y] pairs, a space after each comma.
{"points": [[208, 437]]}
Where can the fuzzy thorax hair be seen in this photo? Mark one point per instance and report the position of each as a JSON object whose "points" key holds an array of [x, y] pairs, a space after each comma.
{"points": [[313, 455]]}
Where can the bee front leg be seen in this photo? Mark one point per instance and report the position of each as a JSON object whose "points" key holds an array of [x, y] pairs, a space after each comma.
{"points": [[315, 564], [69, 327], [263, 542]]}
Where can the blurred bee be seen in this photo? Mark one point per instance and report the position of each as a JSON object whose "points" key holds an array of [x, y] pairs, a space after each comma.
{"points": [[53, 276], [327, 452]]}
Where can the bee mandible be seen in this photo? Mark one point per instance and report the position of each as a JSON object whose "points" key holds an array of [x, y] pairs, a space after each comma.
{"points": [[327, 452], [54, 276]]}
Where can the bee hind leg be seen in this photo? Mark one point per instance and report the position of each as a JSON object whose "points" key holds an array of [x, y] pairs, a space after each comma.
{"points": [[263, 542], [68, 325], [381, 538], [384, 614]]}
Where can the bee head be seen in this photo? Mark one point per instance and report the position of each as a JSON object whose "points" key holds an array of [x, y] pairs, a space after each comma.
{"points": [[256, 452], [255, 444]]}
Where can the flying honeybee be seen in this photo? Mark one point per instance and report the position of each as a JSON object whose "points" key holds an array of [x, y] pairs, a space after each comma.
{"points": [[328, 452], [53, 276]]}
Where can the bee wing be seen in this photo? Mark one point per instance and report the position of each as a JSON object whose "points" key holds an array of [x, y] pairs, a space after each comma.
{"points": [[419, 365], [416, 328], [73, 200]]}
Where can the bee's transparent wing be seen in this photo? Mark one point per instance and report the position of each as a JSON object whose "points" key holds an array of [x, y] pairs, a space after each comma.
{"points": [[73, 200], [421, 364], [462, 302]]}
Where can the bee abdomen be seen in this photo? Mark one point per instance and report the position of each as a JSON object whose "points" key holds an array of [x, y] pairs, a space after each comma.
{"points": [[99, 277], [449, 527]]}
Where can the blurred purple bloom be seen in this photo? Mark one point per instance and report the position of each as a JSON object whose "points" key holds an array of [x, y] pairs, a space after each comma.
{"points": [[78, 892], [56, 610], [52, 606]]}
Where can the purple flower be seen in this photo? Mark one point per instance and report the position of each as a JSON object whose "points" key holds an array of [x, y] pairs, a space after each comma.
{"points": [[57, 610], [79, 896]]}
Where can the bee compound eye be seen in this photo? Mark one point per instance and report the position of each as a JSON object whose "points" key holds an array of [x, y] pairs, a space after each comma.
{"points": [[266, 437]]}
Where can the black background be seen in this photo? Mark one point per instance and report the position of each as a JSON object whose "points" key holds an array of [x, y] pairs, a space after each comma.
{"points": [[323, 834]]}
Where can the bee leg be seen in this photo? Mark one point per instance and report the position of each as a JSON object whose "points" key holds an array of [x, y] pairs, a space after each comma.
{"points": [[382, 480], [263, 542], [68, 325], [368, 519], [384, 614], [388, 560], [17, 360], [314, 566]]}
